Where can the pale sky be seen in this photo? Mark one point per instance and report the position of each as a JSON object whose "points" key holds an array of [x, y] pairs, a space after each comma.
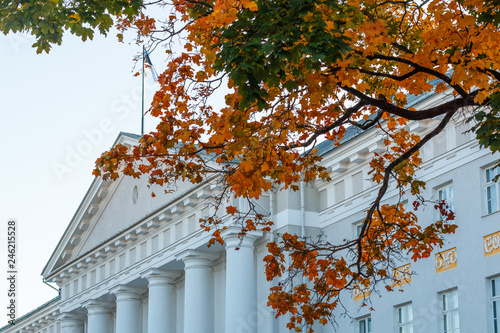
{"points": [[59, 112]]}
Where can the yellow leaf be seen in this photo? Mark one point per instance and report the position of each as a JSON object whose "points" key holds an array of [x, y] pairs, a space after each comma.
{"points": [[252, 6]]}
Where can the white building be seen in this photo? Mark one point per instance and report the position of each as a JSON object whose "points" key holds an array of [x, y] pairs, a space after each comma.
{"points": [[131, 263]]}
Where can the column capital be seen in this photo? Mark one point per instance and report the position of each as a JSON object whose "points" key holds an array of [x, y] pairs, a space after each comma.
{"points": [[159, 272], [195, 258], [95, 306], [69, 316], [233, 240], [125, 292], [70, 322], [156, 276]]}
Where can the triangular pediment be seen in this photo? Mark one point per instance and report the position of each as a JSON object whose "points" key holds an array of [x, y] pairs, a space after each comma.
{"points": [[108, 209]]}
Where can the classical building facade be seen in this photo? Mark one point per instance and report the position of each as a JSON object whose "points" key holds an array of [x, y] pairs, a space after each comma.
{"points": [[131, 263]]}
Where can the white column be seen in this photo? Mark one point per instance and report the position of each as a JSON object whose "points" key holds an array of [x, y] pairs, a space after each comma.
{"points": [[241, 290], [71, 323], [128, 309], [161, 300], [198, 304], [99, 316]]}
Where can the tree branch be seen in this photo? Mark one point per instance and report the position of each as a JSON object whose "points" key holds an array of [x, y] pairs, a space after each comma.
{"points": [[349, 112], [391, 166], [453, 105], [423, 69], [390, 76]]}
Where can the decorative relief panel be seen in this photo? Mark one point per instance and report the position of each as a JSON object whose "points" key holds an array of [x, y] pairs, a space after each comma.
{"points": [[360, 291], [402, 275], [491, 244], [446, 260]]}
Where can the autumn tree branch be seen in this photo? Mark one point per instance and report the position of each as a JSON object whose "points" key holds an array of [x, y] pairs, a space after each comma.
{"points": [[455, 104]]}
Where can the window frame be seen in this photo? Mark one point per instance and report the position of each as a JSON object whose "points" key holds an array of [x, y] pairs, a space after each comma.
{"points": [[447, 312], [367, 322], [357, 229], [449, 191], [494, 286], [404, 326], [489, 184]]}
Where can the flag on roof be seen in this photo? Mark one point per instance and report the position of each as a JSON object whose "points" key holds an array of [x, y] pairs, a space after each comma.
{"points": [[149, 64]]}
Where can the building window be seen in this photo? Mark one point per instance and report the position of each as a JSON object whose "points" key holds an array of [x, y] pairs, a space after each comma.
{"points": [[358, 227], [405, 318], [492, 190], [449, 304], [365, 325], [445, 194], [495, 300]]}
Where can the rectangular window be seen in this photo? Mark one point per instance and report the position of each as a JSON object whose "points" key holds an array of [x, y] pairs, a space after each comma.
{"points": [[365, 325], [495, 300], [449, 310], [492, 190], [446, 193], [358, 226], [405, 319]]}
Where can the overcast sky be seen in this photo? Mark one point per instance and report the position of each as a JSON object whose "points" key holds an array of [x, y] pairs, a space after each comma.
{"points": [[59, 112]]}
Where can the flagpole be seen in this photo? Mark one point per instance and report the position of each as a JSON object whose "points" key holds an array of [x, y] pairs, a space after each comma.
{"points": [[142, 113]]}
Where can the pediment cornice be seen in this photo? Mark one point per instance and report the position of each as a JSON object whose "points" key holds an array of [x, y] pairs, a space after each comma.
{"points": [[95, 196], [142, 229]]}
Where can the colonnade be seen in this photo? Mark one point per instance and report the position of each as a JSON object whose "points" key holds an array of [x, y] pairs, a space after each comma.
{"points": [[198, 299]]}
